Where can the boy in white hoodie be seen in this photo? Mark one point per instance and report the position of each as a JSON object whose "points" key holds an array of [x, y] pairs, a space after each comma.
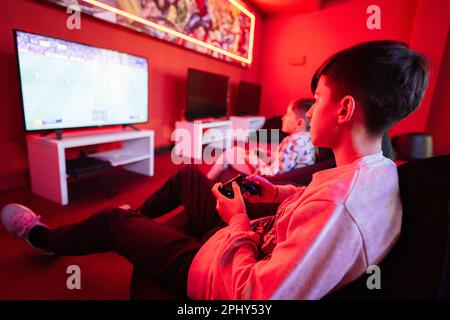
{"points": [[320, 238]]}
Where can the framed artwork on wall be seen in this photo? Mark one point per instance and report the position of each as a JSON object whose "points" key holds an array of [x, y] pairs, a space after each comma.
{"points": [[222, 29]]}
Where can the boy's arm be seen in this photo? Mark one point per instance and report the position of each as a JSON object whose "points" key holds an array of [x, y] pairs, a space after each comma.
{"points": [[282, 161], [285, 191], [300, 266], [295, 152], [263, 152], [270, 193]]}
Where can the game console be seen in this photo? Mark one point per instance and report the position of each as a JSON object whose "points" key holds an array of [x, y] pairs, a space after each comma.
{"points": [[244, 184]]}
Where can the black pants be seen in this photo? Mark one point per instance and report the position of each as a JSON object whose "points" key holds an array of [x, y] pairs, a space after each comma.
{"points": [[157, 251]]}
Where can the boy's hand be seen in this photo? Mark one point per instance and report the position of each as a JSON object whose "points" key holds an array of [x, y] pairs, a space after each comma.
{"points": [[268, 190], [227, 207]]}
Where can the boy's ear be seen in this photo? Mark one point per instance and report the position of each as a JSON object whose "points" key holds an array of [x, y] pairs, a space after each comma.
{"points": [[347, 108]]}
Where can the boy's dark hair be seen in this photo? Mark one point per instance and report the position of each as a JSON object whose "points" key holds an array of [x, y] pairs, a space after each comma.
{"points": [[301, 107], [387, 78]]}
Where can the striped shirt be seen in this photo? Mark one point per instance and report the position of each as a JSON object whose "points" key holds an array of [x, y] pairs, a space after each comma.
{"points": [[294, 151]]}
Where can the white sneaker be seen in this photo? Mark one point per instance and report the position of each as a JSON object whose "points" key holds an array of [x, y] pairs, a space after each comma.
{"points": [[19, 220], [125, 206]]}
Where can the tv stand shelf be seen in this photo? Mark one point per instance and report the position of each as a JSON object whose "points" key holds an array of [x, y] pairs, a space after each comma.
{"points": [[120, 157], [47, 160], [243, 126], [190, 137]]}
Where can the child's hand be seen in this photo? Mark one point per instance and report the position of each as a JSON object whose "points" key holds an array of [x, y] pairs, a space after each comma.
{"points": [[268, 190], [227, 207]]}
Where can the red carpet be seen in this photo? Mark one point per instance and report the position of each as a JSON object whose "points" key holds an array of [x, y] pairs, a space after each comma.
{"points": [[25, 274]]}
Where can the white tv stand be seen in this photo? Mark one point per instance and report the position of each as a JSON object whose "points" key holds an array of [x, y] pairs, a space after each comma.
{"points": [[190, 137], [244, 125], [47, 160]]}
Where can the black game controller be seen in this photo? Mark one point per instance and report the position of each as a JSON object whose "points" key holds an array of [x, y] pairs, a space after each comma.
{"points": [[245, 185]]}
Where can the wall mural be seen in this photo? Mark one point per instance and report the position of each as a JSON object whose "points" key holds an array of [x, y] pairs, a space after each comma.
{"points": [[223, 29]]}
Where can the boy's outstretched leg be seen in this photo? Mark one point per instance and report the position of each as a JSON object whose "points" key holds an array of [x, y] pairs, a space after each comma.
{"points": [[157, 251], [19, 221], [190, 188]]}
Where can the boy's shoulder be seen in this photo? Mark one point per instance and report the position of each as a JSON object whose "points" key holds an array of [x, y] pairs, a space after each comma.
{"points": [[298, 137], [356, 180]]}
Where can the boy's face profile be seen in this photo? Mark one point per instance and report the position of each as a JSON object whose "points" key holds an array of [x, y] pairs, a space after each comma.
{"points": [[323, 116], [291, 122]]}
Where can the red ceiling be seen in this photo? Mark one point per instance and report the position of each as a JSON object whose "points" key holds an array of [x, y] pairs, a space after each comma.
{"points": [[282, 6]]}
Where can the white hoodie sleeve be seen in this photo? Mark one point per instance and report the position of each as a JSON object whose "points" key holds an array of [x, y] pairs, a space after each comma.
{"points": [[320, 238]]}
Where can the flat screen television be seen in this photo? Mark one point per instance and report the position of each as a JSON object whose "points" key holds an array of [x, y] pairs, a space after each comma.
{"points": [[65, 84], [207, 95], [248, 98]]}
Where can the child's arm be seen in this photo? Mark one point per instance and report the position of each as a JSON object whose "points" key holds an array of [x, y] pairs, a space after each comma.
{"points": [[270, 193], [291, 272], [293, 152], [282, 161], [285, 191]]}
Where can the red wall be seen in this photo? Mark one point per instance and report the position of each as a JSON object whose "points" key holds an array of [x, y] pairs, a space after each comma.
{"points": [[288, 39], [439, 119], [167, 73], [429, 36], [288, 49]]}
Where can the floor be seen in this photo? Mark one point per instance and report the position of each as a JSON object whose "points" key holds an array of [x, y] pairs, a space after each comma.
{"points": [[25, 274]]}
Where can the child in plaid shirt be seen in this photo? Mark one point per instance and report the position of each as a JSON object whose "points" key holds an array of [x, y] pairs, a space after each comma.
{"points": [[295, 151]]}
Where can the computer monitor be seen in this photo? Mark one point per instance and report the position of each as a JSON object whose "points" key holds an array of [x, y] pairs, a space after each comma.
{"points": [[207, 95], [248, 98], [66, 84]]}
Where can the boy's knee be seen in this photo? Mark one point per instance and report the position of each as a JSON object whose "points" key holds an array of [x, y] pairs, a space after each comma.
{"points": [[110, 214]]}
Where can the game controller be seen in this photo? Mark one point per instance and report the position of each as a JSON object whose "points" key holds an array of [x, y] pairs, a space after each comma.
{"points": [[245, 185]]}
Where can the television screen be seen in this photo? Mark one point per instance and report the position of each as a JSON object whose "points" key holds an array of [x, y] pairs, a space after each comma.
{"points": [[207, 95], [70, 85], [248, 98]]}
